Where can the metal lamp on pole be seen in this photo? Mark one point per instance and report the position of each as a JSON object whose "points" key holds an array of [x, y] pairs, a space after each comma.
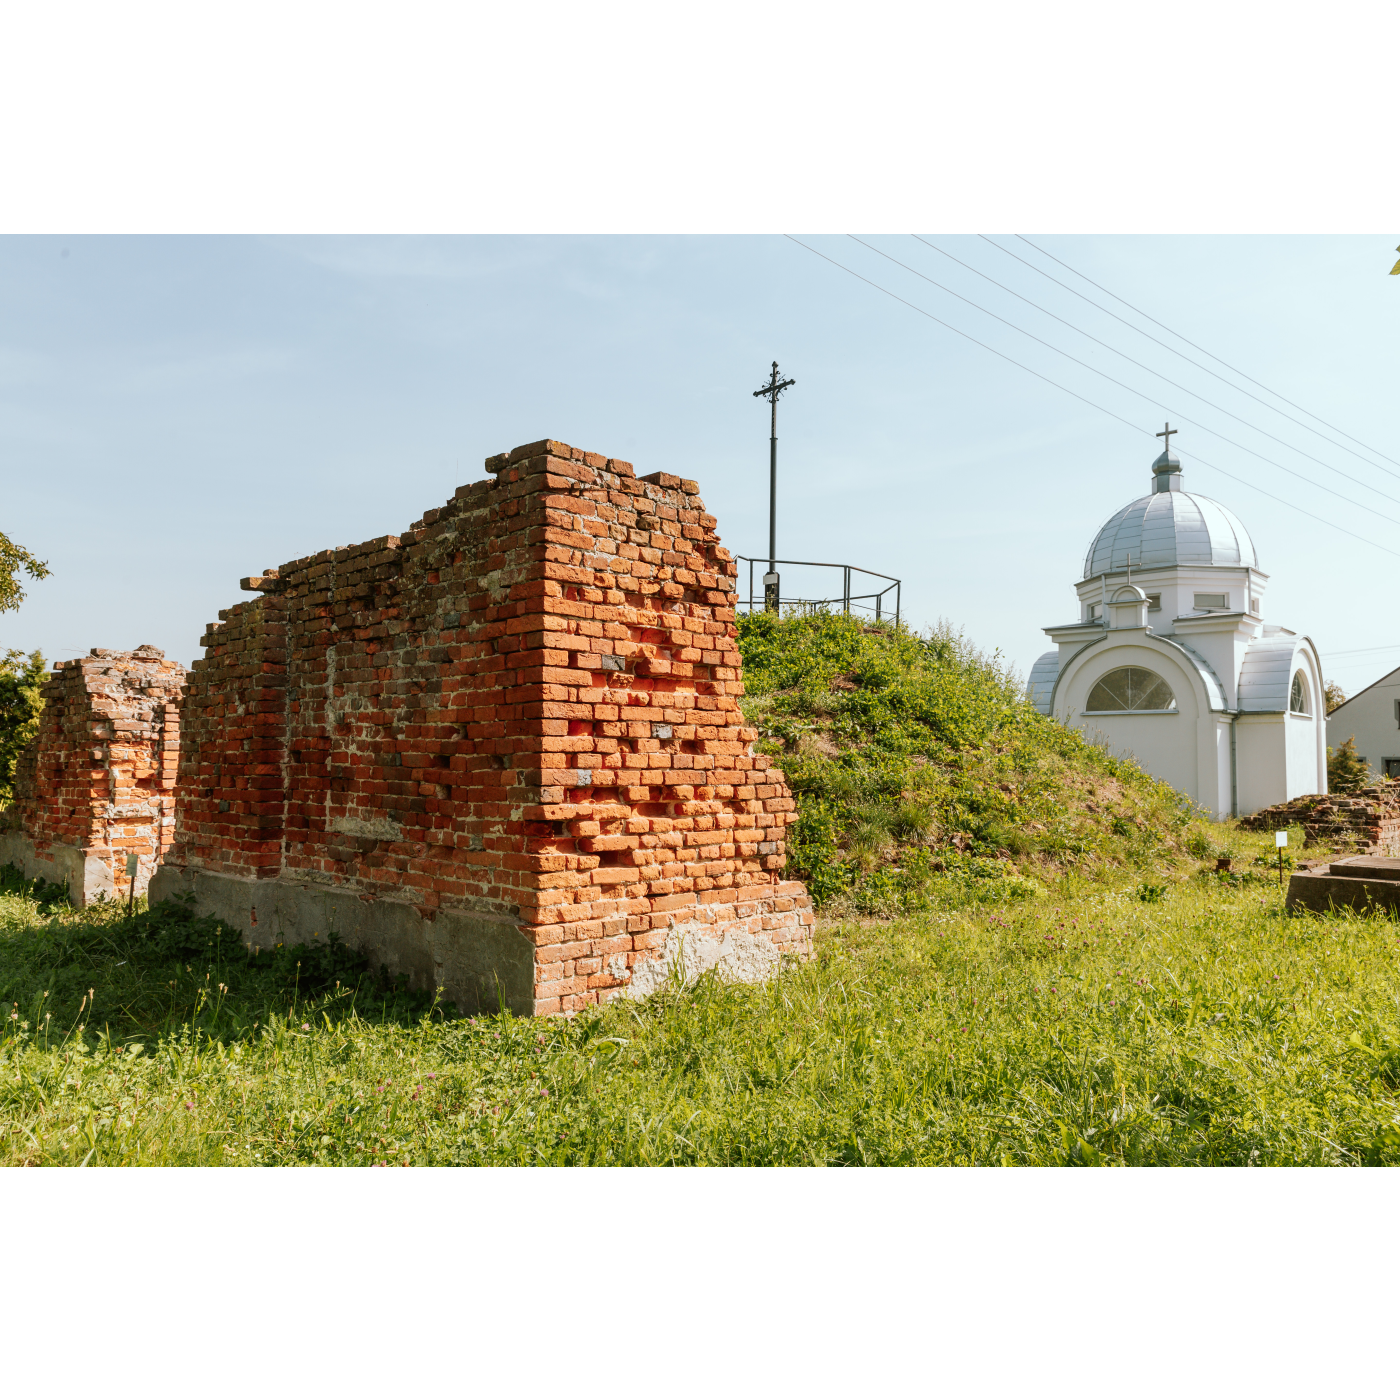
{"points": [[771, 392]]}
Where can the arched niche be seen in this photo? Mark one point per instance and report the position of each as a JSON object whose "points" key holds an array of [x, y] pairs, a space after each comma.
{"points": [[1083, 673], [1130, 690]]}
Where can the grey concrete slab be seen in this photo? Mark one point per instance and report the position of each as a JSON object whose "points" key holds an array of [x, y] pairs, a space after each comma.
{"points": [[478, 962], [87, 877], [1322, 891]]}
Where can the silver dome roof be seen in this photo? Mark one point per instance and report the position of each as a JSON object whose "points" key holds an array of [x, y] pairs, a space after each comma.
{"points": [[1167, 528]]}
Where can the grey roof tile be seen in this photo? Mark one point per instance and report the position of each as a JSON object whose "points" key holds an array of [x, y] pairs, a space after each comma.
{"points": [[1169, 528], [1266, 674], [1041, 685]]}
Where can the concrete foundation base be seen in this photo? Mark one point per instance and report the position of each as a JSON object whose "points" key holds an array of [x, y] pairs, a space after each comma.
{"points": [[1361, 883], [87, 876], [479, 962]]}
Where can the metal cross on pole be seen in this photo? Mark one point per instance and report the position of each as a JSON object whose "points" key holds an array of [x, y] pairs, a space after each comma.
{"points": [[771, 391], [1166, 434]]}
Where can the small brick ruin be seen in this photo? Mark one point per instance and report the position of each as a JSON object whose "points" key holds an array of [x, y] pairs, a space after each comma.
{"points": [[97, 783], [501, 754], [1366, 821]]}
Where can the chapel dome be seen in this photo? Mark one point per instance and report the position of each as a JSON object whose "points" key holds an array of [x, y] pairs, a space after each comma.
{"points": [[1169, 527]]}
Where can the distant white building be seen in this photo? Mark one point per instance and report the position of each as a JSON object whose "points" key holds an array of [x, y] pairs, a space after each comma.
{"points": [[1372, 718], [1172, 662]]}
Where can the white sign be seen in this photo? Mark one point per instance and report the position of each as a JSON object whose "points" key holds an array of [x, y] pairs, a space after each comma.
{"points": [[131, 865], [1280, 838]]}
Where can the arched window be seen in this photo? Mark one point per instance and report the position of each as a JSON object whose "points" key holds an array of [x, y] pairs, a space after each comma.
{"points": [[1299, 701], [1131, 688]]}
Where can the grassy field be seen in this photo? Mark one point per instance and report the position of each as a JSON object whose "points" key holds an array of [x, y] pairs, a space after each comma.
{"points": [[1025, 956], [1196, 1026]]}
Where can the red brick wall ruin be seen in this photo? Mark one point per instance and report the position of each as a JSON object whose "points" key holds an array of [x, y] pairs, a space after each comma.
{"points": [[1366, 821], [503, 752], [97, 783]]}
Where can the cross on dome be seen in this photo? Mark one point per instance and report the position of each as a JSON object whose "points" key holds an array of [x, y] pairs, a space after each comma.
{"points": [[1170, 526], [1167, 468]]}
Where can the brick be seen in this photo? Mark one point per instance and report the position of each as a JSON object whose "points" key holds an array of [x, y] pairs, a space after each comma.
{"points": [[491, 713], [112, 799]]}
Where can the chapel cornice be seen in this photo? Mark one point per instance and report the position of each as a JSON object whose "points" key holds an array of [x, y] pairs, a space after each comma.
{"points": [[1243, 624], [1215, 691], [1075, 631]]}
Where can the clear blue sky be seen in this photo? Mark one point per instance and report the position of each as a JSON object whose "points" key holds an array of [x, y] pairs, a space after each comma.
{"points": [[178, 412]]}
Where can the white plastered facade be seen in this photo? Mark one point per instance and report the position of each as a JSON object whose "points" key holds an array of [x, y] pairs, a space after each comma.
{"points": [[1172, 588]]}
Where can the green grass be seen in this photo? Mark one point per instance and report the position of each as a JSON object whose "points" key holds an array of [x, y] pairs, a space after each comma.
{"points": [[923, 774], [1107, 1025]]}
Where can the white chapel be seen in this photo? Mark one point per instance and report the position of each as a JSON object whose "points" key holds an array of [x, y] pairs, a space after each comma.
{"points": [[1171, 660]]}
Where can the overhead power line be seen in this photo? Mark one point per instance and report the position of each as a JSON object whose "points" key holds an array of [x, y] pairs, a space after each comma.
{"points": [[1358, 651], [1065, 389], [1044, 252], [1084, 364], [1219, 408], [1335, 668]]}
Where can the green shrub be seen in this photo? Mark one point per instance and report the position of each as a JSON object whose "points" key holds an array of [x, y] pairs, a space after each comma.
{"points": [[911, 821], [1202, 846], [813, 855], [20, 707], [1347, 771]]}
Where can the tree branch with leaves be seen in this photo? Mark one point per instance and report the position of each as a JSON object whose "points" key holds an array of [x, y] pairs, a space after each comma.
{"points": [[21, 705], [14, 558], [20, 676]]}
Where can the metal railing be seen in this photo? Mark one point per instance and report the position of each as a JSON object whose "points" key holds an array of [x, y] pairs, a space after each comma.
{"points": [[876, 602]]}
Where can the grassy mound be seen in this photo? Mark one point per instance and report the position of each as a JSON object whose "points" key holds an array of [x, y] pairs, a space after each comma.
{"points": [[924, 776]]}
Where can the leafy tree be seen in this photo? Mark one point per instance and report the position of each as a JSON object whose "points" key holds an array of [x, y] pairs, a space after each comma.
{"points": [[20, 676], [1334, 695], [13, 558], [20, 707], [1346, 769]]}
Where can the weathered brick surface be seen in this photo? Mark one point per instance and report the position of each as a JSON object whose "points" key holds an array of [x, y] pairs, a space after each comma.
{"points": [[1366, 821], [97, 782], [232, 780], [525, 708]]}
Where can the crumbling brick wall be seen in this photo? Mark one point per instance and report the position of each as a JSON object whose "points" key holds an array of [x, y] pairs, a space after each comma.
{"points": [[232, 795], [503, 752], [1366, 821], [97, 783]]}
